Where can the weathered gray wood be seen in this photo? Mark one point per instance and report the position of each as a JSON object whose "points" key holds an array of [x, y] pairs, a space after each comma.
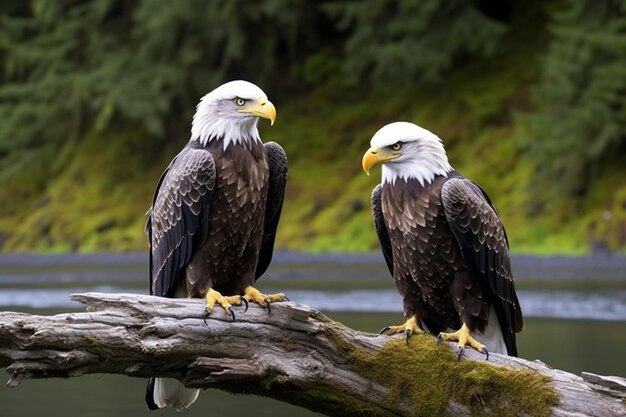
{"points": [[292, 354]]}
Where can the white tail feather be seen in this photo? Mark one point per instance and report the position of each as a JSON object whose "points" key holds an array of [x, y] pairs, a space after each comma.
{"points": [[492, 338], [171, 393]]}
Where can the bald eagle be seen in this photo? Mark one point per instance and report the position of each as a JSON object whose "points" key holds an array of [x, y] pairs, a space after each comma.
{"points": [[215, 212], [443, 242]]}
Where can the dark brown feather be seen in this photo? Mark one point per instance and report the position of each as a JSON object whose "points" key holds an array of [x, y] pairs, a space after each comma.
{"points": [[483, 242], [381, 228], [208, 218], [449, 252], [177, 221], [227, 261], [424, 258], [277, 160]]}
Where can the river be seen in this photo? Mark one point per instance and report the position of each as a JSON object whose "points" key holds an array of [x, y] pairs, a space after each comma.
{"points": [[575, 313]]}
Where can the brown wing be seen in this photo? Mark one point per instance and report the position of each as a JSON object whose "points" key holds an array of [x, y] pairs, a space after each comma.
{"points": [[275, 195], [381, 228], [178, 219], [484, 245]]}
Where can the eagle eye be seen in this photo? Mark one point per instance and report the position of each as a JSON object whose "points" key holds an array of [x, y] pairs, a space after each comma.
{"points": [[396, 146], [239, 101]]}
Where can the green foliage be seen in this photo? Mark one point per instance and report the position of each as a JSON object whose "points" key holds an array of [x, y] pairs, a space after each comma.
{"points": [[581, 117], [97, 96], [94, 203], [75, 67], [420, 41]]}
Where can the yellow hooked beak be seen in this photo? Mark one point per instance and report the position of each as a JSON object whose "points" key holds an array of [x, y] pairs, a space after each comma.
{"points": [[375, 156], [261, 108]]}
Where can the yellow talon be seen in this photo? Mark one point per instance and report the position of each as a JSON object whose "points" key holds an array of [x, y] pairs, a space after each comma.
{"points": [[213, 297], [464, 338], [264, 300], [408, 328], [252, 294]]}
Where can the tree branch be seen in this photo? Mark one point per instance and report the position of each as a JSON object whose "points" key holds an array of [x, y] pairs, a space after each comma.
{"points": [[295, 354]]}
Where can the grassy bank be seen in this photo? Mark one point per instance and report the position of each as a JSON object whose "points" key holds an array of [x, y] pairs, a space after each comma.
{"points": [[101, 185], [99, 199]]}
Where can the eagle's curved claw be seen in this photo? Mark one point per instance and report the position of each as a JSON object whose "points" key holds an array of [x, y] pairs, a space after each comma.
{"points": [[205, 315], [407, 333], [461, 350], [459, 353], [269, 306], [243, 300], [286, 299], [384, 329], [439, 339]]}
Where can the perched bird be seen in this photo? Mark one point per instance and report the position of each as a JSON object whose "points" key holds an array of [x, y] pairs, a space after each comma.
{"points": [[215, 212], [443, 242]]}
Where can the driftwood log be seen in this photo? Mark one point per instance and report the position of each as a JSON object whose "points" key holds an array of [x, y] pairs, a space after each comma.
{"points": [[294, 354]]}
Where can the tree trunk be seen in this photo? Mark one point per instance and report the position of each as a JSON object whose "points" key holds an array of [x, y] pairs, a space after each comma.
{"points": [[294, 354]]}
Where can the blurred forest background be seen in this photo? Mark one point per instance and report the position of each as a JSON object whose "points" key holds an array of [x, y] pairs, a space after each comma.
{"points": [[96, 97]]}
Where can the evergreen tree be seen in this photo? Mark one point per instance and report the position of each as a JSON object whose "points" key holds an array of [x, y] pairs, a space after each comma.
{"points": [[412, 41], [71, 67], [580, 120], [74, 67]]}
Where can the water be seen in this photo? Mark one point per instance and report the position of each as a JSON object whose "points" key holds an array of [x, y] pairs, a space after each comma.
{"points": [[576, 324], [609, 305]]}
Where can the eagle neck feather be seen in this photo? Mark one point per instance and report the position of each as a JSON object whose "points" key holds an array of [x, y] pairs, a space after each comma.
{"points": [[423, 171], [208, 127]]}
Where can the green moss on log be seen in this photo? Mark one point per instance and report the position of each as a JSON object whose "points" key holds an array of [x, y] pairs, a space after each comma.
{"points": [[429, 378]]}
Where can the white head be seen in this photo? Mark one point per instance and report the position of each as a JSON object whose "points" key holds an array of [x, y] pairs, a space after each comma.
{"points": [[405, 151], [231, 113]]}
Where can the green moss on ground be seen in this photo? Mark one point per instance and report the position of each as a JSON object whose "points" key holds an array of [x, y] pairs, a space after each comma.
{"points": [[105, 182], [97, 202]]}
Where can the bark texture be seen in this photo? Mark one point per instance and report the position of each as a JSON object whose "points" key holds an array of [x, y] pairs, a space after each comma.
{"points": [[295, 354]]}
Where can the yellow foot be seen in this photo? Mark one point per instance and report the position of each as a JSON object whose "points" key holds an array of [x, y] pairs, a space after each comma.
{"points": [[408, 328], [264, 300], [213, 297], [464, 338]]}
